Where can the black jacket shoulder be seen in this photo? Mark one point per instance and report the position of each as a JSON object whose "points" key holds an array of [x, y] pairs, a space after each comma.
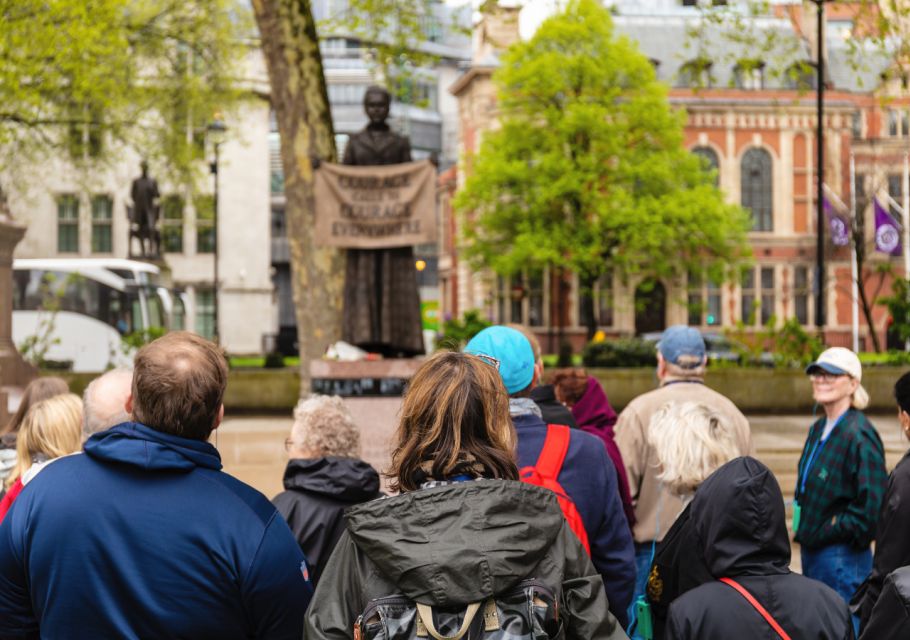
{"points": [[804, 608], [891, 615]]}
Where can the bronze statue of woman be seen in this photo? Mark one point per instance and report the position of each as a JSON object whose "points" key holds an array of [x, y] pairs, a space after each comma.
{"points": [[381, 299]]}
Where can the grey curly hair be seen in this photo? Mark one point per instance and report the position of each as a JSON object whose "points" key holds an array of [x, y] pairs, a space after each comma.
{"points": [[324, 426]]}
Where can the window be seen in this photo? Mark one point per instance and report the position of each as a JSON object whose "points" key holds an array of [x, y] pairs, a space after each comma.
{"points": [[704, 301], [520, 298], [68, 224], [748, 301], [102, 219], [749, 74], [205, 224], [711, 161], [756, 188], [601, 297], [895, 190], [892, 123], [801, 294], [205, 313], [695, 73], [172, 223], [276, 171], [767, 294], [801, 76], [856, 124]]}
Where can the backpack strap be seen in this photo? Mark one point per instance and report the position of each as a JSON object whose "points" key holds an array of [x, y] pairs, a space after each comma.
{"points": [[553, 454], [757, 605], [425, 612]]}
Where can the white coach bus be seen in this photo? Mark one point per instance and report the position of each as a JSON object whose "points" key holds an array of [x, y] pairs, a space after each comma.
{"points": [[78, 309]]}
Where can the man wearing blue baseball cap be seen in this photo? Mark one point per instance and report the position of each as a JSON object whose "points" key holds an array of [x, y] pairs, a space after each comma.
{"points": [[681, 364], [586, 475]]}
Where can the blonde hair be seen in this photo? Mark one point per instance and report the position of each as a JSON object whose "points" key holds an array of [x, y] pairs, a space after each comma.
{"points": [[324, 426], [456, 408], [860, 398], [691, 440], [52, 428]]}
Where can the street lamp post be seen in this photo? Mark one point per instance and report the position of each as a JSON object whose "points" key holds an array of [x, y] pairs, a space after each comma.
{"points": [[216, 130], [820, 166]]}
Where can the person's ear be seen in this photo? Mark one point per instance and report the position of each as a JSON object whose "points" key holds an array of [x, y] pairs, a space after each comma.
{"points": [[538, 373], [128, 405], [219, 417]]}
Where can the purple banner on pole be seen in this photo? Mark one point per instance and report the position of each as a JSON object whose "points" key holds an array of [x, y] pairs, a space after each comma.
{"points": [[839, 226], [887, 231]]}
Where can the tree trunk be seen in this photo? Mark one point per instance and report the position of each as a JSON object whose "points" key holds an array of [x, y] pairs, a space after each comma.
{"points": [[298, 95]]}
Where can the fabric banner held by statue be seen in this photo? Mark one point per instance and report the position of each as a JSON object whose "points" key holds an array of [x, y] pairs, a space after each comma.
{"points": [[373, 207]]}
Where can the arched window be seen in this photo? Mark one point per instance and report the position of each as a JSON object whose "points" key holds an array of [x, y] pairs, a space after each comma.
{"points": [[710, 160], [756, 187]]}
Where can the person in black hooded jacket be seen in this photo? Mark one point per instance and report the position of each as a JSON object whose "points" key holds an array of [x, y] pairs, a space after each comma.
{"points": [[739, 528], [891, 614], [324, 477]]}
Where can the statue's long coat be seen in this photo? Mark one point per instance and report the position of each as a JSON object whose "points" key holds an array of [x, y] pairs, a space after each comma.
{"points": [[381, 300]]}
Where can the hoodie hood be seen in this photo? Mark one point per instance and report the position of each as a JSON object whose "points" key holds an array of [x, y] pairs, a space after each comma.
{"points": [[593, 411], [137, 445], [739, 520], [455, 544], [347, 479]]}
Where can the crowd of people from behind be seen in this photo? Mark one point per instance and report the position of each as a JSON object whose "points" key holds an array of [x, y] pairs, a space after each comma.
{"points": [[515, 509]]}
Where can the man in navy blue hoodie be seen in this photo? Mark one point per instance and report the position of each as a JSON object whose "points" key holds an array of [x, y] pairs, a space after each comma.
{"points": [[143, 536], [587, 475]]}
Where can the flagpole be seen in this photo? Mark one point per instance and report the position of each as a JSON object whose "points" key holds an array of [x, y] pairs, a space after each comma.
{"points": [[854, 275], [905, 214]]}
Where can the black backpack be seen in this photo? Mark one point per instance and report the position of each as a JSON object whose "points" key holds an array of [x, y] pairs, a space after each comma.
{"points": [[529, 611]]}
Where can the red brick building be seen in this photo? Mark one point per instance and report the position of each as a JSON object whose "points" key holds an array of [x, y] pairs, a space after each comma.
{"points": [[757, 128]]}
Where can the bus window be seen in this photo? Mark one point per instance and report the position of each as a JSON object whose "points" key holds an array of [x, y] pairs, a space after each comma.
{"points": [[156, 309]]}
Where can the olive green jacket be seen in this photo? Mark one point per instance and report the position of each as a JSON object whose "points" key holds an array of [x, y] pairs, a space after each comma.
{"points": [[455, 544]]}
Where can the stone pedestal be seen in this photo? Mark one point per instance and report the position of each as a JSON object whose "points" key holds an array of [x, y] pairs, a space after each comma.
{"points": [[14, 371], [364, 378]]}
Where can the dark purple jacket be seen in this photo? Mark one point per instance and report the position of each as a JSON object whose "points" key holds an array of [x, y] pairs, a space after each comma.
{"points": [[594, 414]]}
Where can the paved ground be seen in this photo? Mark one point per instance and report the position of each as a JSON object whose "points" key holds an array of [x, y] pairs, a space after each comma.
{"points": [[252, 448]]}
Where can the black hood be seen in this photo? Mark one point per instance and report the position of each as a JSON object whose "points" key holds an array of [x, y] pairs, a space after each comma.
{"points": [[461, 543], [739, 520], [347, 479]]}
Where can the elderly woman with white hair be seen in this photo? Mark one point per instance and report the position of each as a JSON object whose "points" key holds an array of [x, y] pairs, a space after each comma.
{"points": [[841, 477], [324, 476], [692, 440]]}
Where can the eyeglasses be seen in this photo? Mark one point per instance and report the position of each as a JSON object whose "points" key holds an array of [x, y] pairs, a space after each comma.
{"points": [[490, 360], [824, 376]]}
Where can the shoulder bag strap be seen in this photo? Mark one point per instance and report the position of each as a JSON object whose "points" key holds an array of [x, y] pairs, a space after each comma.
{"points": [[549, 463], [757, 605]]}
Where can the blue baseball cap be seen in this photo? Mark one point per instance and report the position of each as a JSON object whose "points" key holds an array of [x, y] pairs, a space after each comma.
{"points": [[509, 351], [680, 341]]}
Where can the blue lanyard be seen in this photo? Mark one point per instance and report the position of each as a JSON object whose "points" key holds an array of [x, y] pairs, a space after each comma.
{"points": [[816, 450]]}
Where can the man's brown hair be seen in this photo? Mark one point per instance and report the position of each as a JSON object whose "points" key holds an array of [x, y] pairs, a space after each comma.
{"points": [[178, 385]]}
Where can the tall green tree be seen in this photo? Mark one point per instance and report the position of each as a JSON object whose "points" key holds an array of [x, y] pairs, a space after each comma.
{"points": [[587, 171], [83, 78]]}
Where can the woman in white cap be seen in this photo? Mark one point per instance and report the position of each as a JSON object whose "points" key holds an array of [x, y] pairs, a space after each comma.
{"points": [[841, 477]]}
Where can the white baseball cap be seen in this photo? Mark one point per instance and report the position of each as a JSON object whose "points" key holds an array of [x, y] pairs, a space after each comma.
{"points": [[841, 361]]}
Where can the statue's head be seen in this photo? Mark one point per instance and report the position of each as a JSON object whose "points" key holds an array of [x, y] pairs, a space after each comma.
{"points": [[376, 103], [144, 165]]}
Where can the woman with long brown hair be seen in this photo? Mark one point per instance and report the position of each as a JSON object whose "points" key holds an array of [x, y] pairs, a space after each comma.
{"points": [[464, 536]]}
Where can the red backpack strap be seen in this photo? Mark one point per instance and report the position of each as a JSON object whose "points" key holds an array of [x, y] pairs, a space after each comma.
{"points": [[549, 462], [755, 603]]}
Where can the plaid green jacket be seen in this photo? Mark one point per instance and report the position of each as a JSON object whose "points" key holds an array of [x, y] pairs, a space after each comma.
{"points": [[845, 485]]}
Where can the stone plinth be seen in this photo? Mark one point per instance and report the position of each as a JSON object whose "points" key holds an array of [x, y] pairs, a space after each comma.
{"points": [[14, 371], [364, 377]]}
